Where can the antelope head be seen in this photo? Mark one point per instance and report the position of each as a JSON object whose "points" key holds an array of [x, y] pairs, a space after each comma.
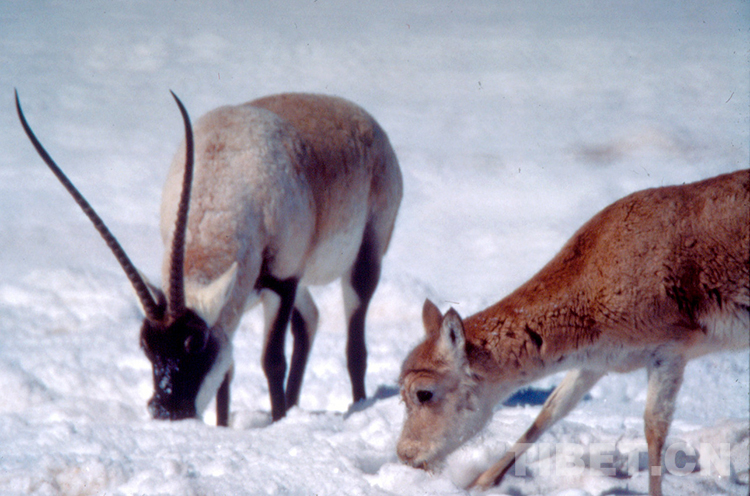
{"points": [[178, 342], [444, 398]]}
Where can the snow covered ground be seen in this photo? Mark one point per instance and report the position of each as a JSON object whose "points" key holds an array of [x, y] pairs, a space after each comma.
{"points": [[514, 122]]}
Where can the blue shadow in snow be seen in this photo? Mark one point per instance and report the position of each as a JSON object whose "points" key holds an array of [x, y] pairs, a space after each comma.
{"points": [[533, 397], [382, 393]]}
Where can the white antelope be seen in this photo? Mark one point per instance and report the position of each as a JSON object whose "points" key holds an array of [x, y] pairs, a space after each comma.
{"points": [[288, 191], [654, 280]]}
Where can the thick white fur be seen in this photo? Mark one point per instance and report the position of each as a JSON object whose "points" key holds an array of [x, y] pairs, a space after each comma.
{"points": [[246, 198], [208, 300]]}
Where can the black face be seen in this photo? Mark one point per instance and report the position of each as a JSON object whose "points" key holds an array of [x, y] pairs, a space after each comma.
{"points": [[181, 355]]}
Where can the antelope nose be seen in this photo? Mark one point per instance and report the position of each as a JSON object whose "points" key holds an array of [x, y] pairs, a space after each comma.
{"points": [[156, 409], [412, 454], [159, 411], [405, 453]]}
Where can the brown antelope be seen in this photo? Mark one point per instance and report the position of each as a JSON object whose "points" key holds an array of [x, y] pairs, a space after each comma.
{"points": [[653, 280], [283, 192]]}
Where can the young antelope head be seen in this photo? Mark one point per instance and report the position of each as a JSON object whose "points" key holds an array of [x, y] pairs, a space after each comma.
{"points": [[443, 396]]}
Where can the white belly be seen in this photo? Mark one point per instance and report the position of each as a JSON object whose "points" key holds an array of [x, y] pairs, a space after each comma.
{"points": [[332, 258]]}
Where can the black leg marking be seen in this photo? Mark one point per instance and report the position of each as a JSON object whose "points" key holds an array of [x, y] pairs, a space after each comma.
{"points": [[364, 279], [299, 359], [274, 361], [222, 401]]}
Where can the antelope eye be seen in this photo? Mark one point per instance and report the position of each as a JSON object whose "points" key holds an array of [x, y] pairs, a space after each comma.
{"points": [[195, 342], [424, 396]]}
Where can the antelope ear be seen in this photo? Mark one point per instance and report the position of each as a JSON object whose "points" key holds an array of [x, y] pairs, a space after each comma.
{"points": [[452, 342], [207, 301], [156, 293], [431, 318]]}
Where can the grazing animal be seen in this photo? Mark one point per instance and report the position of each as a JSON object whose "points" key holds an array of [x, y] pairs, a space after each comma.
{"points": [[283, 192], [655, 279]]}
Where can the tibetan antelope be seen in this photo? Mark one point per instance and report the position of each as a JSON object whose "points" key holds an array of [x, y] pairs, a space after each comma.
{"points": [[654, 280], [283, 192]]}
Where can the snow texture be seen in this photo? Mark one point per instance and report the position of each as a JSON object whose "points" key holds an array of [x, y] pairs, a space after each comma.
{"points": [[514, 122]]}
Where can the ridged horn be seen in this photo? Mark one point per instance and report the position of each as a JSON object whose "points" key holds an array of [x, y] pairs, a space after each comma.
{"points": [[153, 311], [176, 302]]}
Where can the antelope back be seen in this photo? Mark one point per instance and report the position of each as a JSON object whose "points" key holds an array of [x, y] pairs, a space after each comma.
{"points": [[653, 267], [353, 173]]}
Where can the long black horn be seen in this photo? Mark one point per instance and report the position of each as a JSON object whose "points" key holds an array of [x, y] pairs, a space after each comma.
{"points": [[153, 311], [176, 305]]}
